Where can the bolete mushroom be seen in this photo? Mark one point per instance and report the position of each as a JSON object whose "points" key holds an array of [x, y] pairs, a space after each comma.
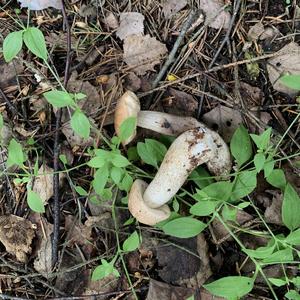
{"points": [[195, 145]]}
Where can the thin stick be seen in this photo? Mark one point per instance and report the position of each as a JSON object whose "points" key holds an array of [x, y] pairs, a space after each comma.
{"points": [[56, 151], [171, 57]]}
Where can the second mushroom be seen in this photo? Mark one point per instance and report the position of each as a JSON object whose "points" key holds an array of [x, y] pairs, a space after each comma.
{"points": [[195, 145]]}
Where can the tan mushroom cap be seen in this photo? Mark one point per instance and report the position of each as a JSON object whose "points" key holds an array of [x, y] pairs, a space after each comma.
{"points": [[128, 105], [140, 210]]}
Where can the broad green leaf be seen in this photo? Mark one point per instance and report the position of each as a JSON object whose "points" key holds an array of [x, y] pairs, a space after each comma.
{"points": [[15, 154], [231, 287], [280, 256], [81, 191], [116, 174], [262, 140], [291, 208], [184, 227], [35, 202], [269, 166], [277, 179], [12, 45], [219, 191], [277, 282], [63, 158], [59, 98], [151, 152], [132, 154], [260, 252], [244, 184], [201, 177], [291, 81], [126, 183], [292, 295], [293, 238], [296, 281], [100, 179], [81, 124], [204, 208], [127, 128], [229, 213], [132, 242], [35, 42], [259, 161], [119, 160], [105, 194], [104, 270], [97, 162], [240, 145]]}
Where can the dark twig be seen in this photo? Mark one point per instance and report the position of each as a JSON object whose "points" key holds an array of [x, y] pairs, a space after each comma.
{"points": [[225, 40], [10, 105], [171, 56], [56, 210]]}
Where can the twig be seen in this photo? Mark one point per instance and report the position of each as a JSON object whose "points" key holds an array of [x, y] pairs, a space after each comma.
{"points": [[225, 40], [171, 57], [10, 105], [56, 150]]}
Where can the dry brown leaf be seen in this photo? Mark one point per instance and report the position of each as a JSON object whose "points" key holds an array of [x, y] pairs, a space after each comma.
{"points": [[111, 21], [255, 31], [172, 7], [286, 61], [43, 184], [130, 23], [215, 18], [142, 53], [223, 119], [43, 261], [16, 235], [9, 72], [40, 4]]}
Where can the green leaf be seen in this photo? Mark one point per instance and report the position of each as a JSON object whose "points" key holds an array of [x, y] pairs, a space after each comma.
{"points": [[204, 208], [81, 124], [277, 179], [116, 174], [229, 213], [104, 270], [277, 282], [201, 177], [59, 98], [184, 227], [291, 81], [63, 158], [291, 208], [231, 287], [151, 152], [15, 154], [293, 238], [240, 145], [269, 166], [12, 45], [132, 154], [126, 183], [35, 202], [280, 256], [97, 162], [100, 179], [244, 184], [296, 281], [259, 161], [119, 160], [81, 191], [1, 121], [260, 252], [132, 242], [127, 128], [219, 191], [35, 42], [292, 295], [262, 141]]}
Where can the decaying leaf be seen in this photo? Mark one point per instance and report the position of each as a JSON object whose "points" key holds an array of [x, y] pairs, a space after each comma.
{"points": [[40, 4], [9, 72], [216, 17], [286, 61], [223, 119], [43, 185], [130, 23], [172, 7], [43, 261], [111, 21], [255, 31], [142, 53], [16, 235]]}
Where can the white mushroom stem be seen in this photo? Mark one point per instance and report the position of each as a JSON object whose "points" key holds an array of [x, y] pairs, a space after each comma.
{"points": [[191, 149]]}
